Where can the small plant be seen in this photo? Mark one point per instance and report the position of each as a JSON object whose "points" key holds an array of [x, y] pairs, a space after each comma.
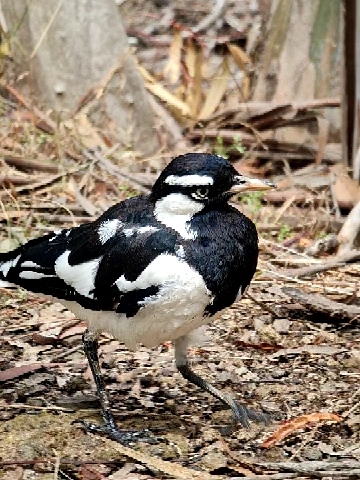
{"points": [[253, 200], [127, 191], [321, 234], [224, 151], [284, 233]]}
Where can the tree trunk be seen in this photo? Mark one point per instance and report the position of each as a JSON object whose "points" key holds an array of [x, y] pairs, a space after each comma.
{"points": [[301, 60], [71, 47]]}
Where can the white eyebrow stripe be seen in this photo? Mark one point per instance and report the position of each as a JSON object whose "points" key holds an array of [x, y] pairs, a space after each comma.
{"points": [[189, 180]]}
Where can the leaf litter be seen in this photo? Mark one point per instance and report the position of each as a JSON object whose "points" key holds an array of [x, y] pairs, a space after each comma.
{"points": [[303, 373]]}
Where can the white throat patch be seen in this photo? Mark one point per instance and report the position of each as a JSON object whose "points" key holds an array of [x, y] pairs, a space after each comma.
{"points": [[175, 211]]}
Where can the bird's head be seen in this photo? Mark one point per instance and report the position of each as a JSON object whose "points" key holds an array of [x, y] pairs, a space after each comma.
{"points": [[193, 181]]}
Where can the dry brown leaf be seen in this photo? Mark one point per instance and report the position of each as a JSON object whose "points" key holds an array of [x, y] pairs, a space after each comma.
{"points": [[172, 68], [47, 337], [245, 88], [15, 372], [268, 347], [345, 189], [161, 92], [146, 74], [216, 91], [239, 56], [190, 57], [292, 425], [78, 329], [194, 61], [164, 94]]}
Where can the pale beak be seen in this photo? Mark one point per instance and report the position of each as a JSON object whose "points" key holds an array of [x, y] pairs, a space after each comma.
{"points": [[245, 184]]}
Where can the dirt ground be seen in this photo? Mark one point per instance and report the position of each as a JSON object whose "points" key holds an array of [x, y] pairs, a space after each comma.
{"points": [[288, 369]]}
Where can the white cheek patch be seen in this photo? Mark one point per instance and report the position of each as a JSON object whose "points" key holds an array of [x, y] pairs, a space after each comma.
{"points": [[189, 180], [175, 211], [108, 229], [81, 277]]}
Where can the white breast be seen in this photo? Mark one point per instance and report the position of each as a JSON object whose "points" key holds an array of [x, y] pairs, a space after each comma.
{"points": [[175, 310]]}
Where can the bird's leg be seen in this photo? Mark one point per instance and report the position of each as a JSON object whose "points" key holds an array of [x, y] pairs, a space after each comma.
{"points": [[241, 413], [90, 344]]}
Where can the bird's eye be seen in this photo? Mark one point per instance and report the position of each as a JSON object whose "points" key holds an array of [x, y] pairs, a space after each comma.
{"points": [[200, 193]]}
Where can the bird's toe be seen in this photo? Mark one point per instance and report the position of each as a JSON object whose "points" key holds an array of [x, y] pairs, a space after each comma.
{"points": [[243, 415], [125, 437]]}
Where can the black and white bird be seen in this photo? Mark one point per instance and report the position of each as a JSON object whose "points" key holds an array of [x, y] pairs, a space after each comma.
{"points": [[152, 268]]}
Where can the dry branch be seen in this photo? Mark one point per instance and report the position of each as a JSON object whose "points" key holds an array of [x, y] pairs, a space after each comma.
{"points": [[25, 164], [336, 262], [310, 467], [111, 168], [332, 152], [317, 304], [254, 108]]}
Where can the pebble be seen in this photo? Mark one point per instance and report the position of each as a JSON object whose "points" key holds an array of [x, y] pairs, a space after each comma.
{"points": [[312, 454]]}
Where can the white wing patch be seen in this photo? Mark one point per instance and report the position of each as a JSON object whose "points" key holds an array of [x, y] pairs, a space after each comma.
{"points": [[129, 232], [5, 267], [81, 276], [30, 263], [108, 229], [31, 275], [5, 284], [56, 234], [239, 294], [189, 180], [175, 211]]}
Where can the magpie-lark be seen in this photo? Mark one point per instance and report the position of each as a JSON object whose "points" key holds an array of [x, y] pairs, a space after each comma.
{"points": [[152, 268]]}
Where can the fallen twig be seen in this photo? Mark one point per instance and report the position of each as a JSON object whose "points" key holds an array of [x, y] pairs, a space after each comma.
{"points": [[215, 13], [114, 170], [337, 262], [321, 305], [42, 183], [44, 123], [35, 407], [171, 469], [309, 467], [254, 108], [332, 152], [26, 164]]}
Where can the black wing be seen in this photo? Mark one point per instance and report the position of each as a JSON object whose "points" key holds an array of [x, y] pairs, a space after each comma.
{"points": [[82, 264]]}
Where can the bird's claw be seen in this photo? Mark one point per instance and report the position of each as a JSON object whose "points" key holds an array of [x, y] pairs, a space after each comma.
{"points": [[125, 437], [243, 415]]}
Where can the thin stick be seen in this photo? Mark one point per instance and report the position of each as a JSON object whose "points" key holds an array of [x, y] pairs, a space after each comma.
{"points": [[336, 262], [46, 29], [34, 407]]}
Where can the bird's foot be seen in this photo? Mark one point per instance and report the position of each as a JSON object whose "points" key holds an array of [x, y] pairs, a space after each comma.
{"points": [[125, 437], [243, 415]]}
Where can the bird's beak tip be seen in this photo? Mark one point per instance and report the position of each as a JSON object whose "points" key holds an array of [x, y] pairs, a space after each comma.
{"points": [[245, 184]]}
